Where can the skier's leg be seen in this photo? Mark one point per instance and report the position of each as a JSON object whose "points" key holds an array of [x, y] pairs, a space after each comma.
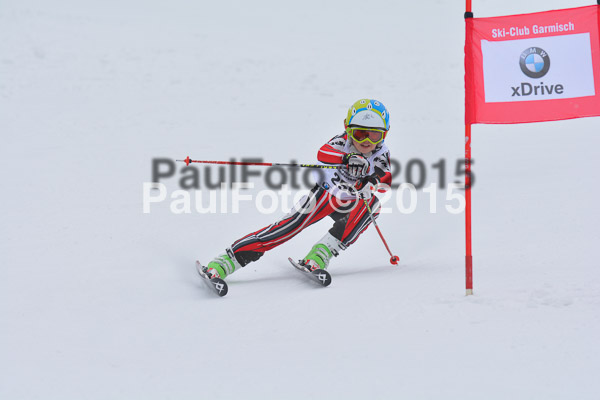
{"points": [[312, 208], [349, 224], [320, 254], [222, 265]]}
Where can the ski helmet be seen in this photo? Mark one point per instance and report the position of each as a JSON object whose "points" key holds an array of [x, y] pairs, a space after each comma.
{"points": [[368, 113]]}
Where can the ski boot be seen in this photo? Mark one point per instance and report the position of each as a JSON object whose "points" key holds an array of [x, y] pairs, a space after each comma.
{"points": [[318, 257], [222, 265]]}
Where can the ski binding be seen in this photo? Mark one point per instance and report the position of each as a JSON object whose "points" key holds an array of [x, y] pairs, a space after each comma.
{"points": [[321, 276], [218, 285]]}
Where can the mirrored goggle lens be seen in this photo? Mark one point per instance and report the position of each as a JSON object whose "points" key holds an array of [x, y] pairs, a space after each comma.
{"points": [[360, 135]]}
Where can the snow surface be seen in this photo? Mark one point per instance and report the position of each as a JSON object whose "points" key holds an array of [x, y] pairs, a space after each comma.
{"points": [[101, 301]]}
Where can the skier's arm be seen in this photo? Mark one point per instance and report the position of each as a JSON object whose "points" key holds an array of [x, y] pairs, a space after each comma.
{"points": [[384, 176], [367, 184], [329, 155], [382, 169], [332, 152]]}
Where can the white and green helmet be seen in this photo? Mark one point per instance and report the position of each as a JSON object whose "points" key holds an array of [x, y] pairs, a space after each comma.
{"points": [[368, 113]]}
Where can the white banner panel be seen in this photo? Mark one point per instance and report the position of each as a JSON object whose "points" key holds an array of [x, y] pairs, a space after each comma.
{"points": [[554, 67]]}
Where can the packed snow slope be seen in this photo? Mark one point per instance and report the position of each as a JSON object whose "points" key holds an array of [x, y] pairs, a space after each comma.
{"points": [[100, 300]]}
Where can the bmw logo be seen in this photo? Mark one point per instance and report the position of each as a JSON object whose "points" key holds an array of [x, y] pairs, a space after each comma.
{"points": [[534, 62]]}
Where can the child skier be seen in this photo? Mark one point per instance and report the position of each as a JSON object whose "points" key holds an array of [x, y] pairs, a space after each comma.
{"points": [[339, 194]]}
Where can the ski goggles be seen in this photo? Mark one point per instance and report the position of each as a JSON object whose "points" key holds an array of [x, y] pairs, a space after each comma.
{"points": [[371, 135]]}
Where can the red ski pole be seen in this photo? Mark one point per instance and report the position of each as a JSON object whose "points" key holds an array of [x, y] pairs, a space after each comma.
{"points": [[393, 259], [189, 161]]}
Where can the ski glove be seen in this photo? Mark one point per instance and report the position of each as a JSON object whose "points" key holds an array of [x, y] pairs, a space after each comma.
{"points": [[358, 166], [365, 186]]}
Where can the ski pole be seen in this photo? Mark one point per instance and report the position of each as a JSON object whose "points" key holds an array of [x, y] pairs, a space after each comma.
{"points": [[394, 259], [188, 161]]}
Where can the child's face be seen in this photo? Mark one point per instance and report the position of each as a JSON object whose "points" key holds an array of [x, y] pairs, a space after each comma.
{"points": [[364, 147]]}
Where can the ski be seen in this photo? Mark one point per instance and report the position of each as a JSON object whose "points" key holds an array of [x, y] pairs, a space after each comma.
{"points": [[320, 276], [218, 285]]}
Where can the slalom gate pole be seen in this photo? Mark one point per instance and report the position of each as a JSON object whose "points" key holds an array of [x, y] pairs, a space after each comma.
{"points": [[394, 259], [189, 161], [469, 254]]}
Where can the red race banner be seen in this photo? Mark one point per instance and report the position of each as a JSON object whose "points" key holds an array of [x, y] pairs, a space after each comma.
{"points": [[533, 67]]}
